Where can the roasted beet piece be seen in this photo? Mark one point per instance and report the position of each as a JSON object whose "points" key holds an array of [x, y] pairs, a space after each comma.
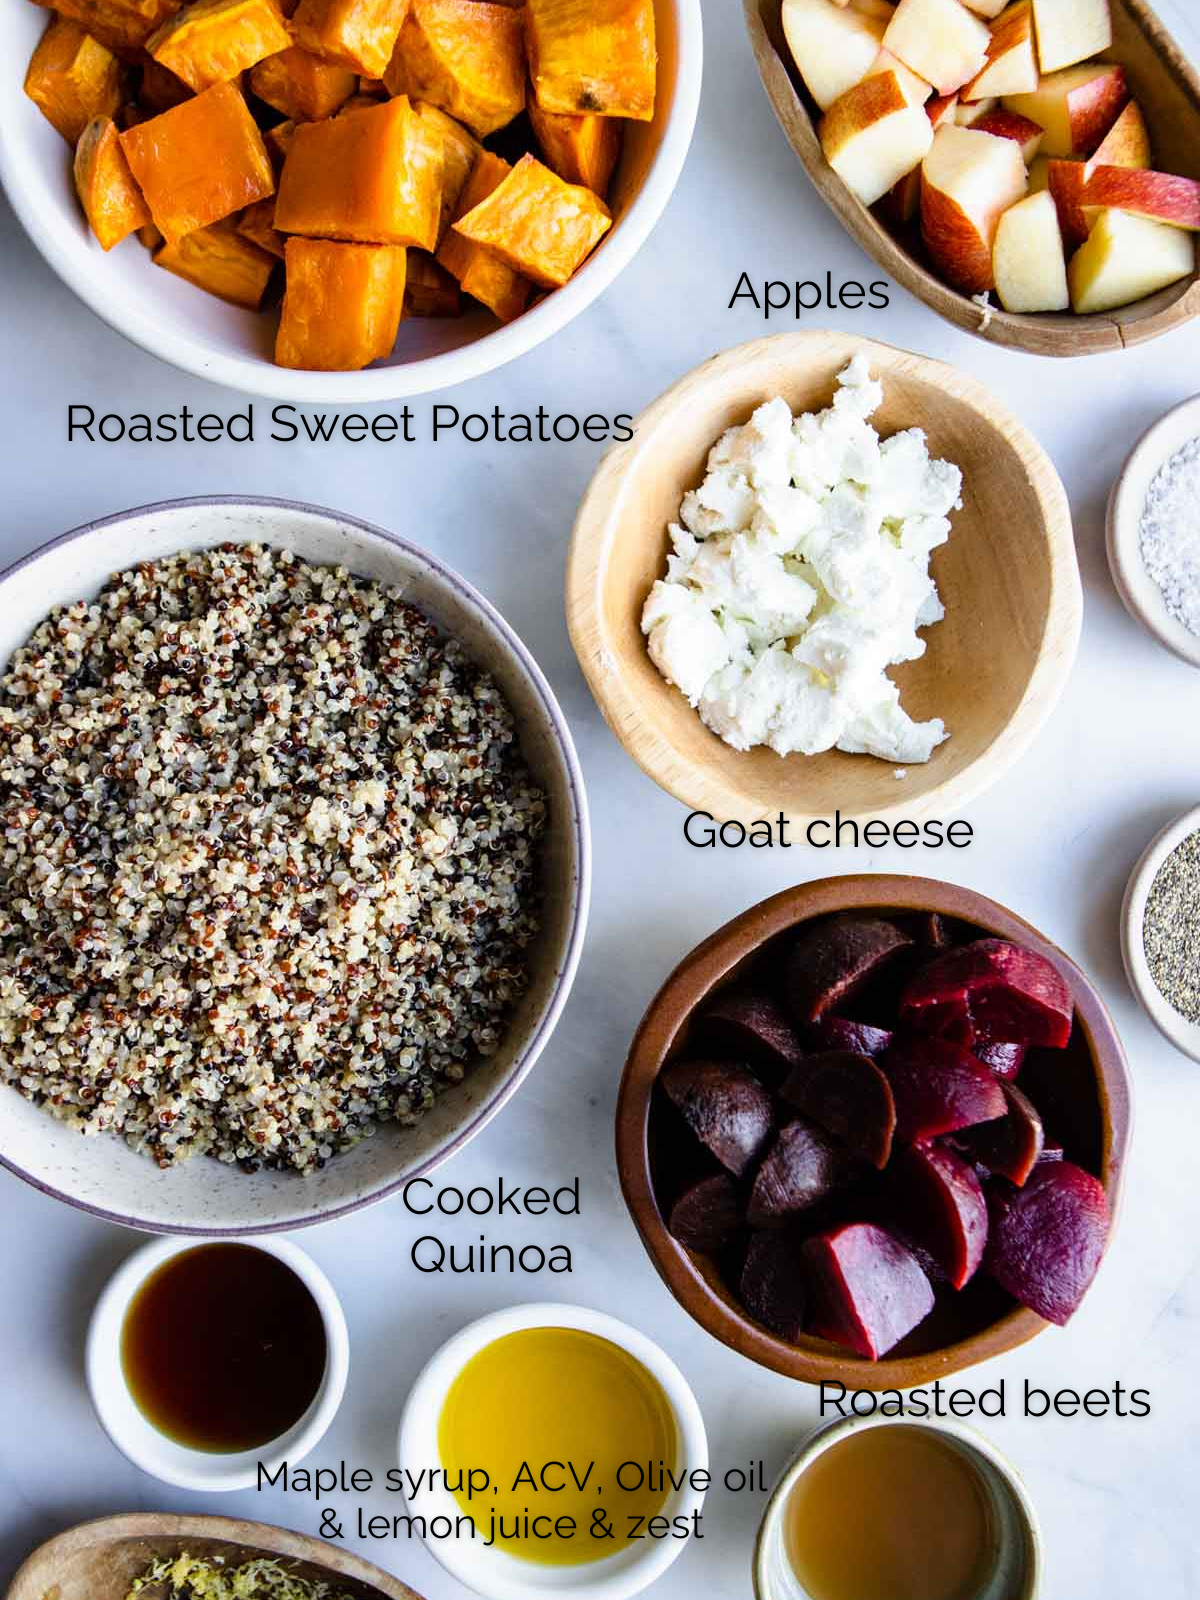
{"points": [[991, 991], [938, 1088], [1011, 1146], [1005, 1060], [772, 1285], [1047, 1239], [848, 1096], [708, 1215], [940, 1209], [801, 1168], [725, 1106], [867, 1289], [753, 1028], [928, 928], [835, 956], [839, 1033]]}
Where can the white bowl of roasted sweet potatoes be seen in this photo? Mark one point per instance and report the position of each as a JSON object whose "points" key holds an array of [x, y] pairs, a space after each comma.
{"points": [[344, 200]]}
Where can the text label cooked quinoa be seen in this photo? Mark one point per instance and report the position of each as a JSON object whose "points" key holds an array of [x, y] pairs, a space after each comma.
{"points": [[268, 856]]}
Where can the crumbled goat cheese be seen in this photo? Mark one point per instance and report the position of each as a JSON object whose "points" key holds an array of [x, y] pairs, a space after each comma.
{"points": [[800, 573]]}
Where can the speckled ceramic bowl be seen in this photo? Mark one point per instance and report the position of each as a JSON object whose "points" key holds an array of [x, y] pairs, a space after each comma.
{"points": [[203, 1196]]}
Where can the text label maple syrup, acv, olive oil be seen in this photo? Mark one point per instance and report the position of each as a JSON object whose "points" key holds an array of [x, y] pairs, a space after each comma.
{"points": [[891, 1513], [223, 1348]]}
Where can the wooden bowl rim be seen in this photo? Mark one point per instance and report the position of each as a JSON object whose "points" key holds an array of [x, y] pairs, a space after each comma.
{"points": [[29, 1583], [1059, 334], [599, 516], [817, 1361]]}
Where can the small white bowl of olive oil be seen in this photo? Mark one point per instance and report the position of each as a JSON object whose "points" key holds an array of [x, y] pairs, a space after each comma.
{"points": [[879, 1505], [592, 1443], [206, 1358]]}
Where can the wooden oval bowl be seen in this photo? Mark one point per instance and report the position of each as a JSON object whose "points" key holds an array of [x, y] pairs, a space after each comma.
{"points": [[99, 1560], [1163, 81], [1087, 1097], [995, 666]]}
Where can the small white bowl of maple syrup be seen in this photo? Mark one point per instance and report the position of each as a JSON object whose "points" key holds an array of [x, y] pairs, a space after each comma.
{"points": [[207, 1358], [882, 1505]]}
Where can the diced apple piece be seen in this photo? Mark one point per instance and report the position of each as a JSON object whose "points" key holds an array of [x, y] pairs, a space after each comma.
{"points": [[1066, 180], [1070, 31], [1039, 174], [1157, 196], [940, 41], [833, 48], [1127, 142], [873, 135], [1011, 66], [1077, 107], [1009, 125], [968, 112], [886, 9], [968, 182], [1126, 258], [985, 8], [1029, 261], [917, 90]]}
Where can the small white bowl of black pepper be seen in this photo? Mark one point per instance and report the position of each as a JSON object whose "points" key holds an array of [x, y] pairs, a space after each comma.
{"points": [[1160, 932]]}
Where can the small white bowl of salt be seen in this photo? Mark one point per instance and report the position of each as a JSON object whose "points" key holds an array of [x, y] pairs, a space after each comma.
{"points": [[1154, 531]]}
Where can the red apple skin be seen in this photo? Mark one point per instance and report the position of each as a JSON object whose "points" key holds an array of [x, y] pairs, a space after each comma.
{"points": [[902, 203], [1095, 106], [959, 252], [1066, 181], [1011, 125], [1127, 142], [1158, 196]]}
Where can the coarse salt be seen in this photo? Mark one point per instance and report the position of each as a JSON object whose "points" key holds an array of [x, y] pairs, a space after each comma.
{"points": [[1170, 534]]}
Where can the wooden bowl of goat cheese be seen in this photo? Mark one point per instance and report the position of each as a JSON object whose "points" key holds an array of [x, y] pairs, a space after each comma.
{"points": [[838, 621]]}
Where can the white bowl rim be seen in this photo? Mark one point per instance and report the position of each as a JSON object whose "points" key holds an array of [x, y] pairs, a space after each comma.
{"points": [[1139, 593], [599, 1580], [1184, 1035], [831, 1433], [259, 377], [582, 846], [103, 1368]]}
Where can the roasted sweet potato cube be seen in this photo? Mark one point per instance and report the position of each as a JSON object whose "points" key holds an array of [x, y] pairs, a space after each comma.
{"points": [[301, 85], [429, 290], [130, 115], [72, 78], [342, 304], [222, 261], [150, 237], [111, 200], [459, 153], [466, 56], [370, 177], [481, 274], [160, 89], [211, 41], [199, 162], [358, 33], [122, 25], [582, 149], [257, 222], [542, 227], [373, 88], [593, 55], [278, 141]]}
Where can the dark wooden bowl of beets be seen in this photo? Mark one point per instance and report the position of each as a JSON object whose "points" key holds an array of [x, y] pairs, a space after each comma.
{"points": [[838, 1163]]}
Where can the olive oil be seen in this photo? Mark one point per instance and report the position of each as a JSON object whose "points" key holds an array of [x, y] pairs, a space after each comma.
{"points": [[890, 1513], [223, 1348], [558, 1395]]}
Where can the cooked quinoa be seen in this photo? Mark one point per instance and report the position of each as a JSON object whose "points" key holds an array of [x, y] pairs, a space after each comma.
{"points": [[268, 856]]}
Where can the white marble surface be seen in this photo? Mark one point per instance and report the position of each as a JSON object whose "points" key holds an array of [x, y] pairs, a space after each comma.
{"points": [[1055, 840]]}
